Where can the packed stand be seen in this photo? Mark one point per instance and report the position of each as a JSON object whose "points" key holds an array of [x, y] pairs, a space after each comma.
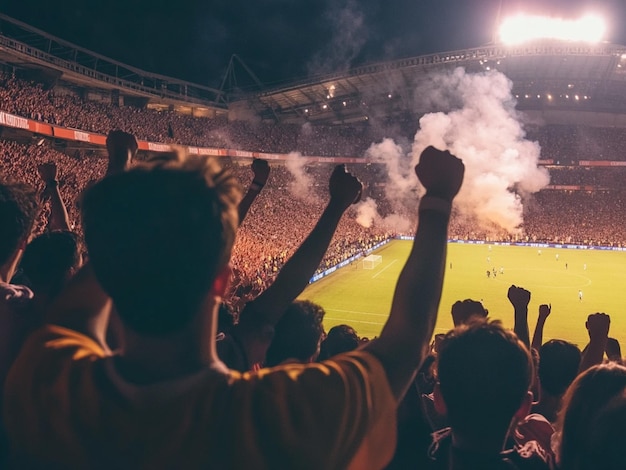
{"points": [[124, 364], [567, 144], [32, 100]]}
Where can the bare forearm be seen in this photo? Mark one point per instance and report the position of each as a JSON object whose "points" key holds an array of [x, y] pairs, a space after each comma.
{"points": [[295, 274], [404, 340], [521, 325], [593, 354], [538, 334], [59, 218], [119, 161], [246, 203]]}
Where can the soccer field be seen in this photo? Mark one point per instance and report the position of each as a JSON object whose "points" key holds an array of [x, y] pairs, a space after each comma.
{"points": [[362, 297]]}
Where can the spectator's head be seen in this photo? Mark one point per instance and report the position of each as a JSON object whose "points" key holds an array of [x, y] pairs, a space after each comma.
{"points": [[605, 448], [340, 338], [297, 334], [587, 395], [558, 366], [18, 209], [49, 261], [159, 239], [464, 311], [484, 374]]}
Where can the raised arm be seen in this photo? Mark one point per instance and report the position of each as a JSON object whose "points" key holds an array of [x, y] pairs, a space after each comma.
{"points": [[520, 298], [83, 306], [267, 308], [59, 219], [614, 351], [122, 148], [404, 341], [261, 170], [598, 325], [544, 313]]}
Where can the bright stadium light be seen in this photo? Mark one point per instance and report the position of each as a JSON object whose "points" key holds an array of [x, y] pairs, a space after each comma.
{"points": [[524, 28]]}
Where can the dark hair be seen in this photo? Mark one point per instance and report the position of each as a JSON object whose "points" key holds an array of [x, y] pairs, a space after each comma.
{"points": [[297, 334], [49, 259], [158, 235], [464, 311], [591, 391], [605, 447], [484, 373], [18, 210], [340, 338], [558, 366]]}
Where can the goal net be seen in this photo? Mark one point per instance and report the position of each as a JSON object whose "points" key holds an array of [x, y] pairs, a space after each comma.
{"points": [[371, 261]]}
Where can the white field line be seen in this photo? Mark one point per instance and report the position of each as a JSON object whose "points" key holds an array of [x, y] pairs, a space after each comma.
{"points": [[359, 313], [384, 269]]}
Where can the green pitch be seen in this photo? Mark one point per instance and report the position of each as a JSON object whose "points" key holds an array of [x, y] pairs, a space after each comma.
{"points": [[362, 297]]}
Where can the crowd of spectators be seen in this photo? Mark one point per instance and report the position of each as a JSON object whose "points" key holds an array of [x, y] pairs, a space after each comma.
{"points": [[565, 144], [31, 100], [144, 384], [257, 258], [552, 216], [610, 177]]}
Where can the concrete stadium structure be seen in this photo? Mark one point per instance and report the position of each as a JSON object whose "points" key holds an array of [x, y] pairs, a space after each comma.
{"points": [[556, 82]]}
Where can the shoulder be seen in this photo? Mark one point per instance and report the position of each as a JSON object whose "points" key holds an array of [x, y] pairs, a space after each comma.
{"points": [[343, 405], [356, 369], [53, 349], [534, 433], [530, 456]]}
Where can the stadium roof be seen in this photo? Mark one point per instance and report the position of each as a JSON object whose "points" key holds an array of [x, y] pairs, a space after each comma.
{"points": [[24, 46], [548, 75], [544, 74]]}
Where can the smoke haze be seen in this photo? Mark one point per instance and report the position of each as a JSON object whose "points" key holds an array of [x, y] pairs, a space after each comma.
{"points": [[301, 185], [482, 128]]}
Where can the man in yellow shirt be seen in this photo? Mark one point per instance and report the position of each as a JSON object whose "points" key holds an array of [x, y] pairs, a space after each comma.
{"points": [[159, 239]]}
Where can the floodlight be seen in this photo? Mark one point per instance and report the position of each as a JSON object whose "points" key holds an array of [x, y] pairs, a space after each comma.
{"points": [[523, 28]]}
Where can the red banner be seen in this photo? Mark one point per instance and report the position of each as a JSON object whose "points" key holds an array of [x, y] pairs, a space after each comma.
{"points": [[10, 120], [79, 136]]}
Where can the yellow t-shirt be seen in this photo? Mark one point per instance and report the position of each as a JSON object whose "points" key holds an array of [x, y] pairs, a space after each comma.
{"points": [[64, 403]]}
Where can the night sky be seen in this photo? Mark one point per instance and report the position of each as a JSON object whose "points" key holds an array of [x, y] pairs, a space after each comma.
{"points": [[281, 40]]}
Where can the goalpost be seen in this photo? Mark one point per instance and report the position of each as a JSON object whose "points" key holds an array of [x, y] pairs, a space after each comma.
{"points": [[371, 261]]}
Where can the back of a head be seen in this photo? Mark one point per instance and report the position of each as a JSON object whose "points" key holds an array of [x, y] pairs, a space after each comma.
{"points": [[340, 339], [484, 375], [587, 395], [18, 209], [605, 448], [49, 260], [558, 366], [297, 335], [464, 311], [157, 236]]}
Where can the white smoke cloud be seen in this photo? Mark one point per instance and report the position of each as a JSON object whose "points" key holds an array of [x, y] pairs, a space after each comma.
{"points": [[367, 212], [485, 132], [368, 215], [399, 188], [500, 164], [301, 185]]}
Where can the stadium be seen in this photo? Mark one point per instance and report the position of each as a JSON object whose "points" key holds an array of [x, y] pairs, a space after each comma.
{"points": [[540, 124]]}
